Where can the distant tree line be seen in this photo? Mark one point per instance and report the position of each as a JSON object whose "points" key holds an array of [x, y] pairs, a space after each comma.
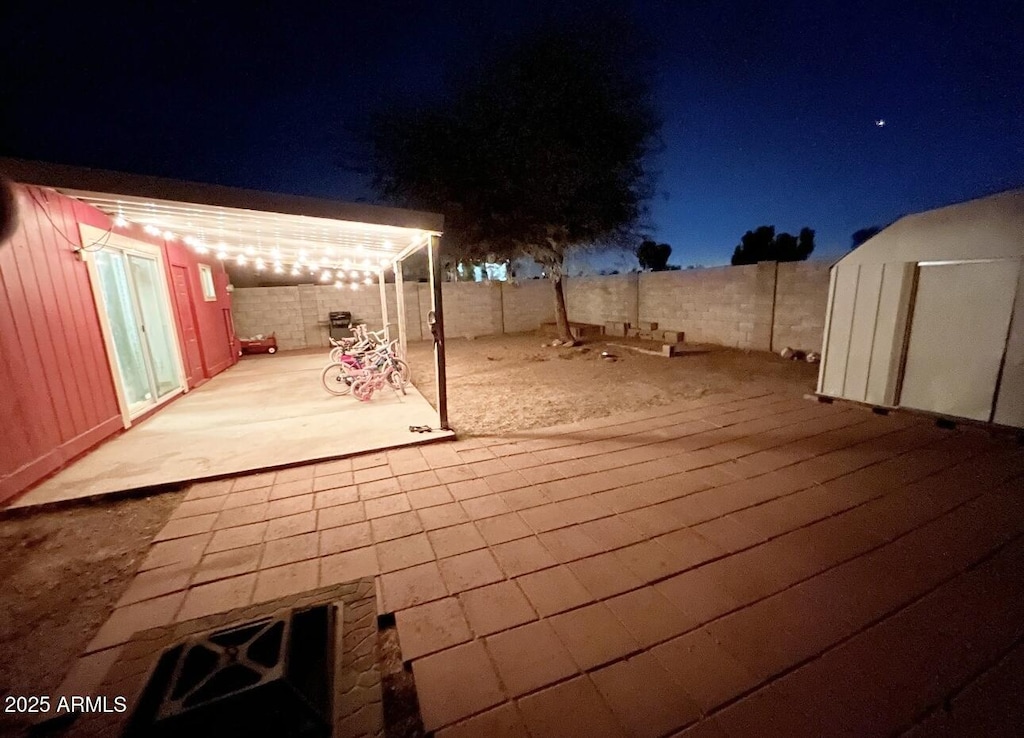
{"points": [[763, 244]]}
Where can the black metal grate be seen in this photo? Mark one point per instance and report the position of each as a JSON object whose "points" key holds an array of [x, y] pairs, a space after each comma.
{"points": [[271, 677]]}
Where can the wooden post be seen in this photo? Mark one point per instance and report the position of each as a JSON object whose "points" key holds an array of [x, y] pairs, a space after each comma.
{"points": [[383, 304], [400, 301], [433, 255]]}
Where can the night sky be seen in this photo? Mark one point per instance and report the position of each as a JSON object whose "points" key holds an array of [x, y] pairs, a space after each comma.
{"points": [[769, 109]]}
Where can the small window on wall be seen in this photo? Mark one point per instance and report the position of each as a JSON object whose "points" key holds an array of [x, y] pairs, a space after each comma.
{"points": [[206, 280]]}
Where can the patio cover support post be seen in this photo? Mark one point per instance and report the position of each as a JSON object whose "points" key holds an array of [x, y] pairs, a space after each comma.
{"points": [[400, 301], [383, 304], [437, 328]]}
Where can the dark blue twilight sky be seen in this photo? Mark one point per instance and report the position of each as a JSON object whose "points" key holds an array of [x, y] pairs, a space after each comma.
{"points": [[769, 108]]}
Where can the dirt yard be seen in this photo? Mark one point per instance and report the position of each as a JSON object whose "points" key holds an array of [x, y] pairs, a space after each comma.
{"points": [[62, 571], [498, 384]]}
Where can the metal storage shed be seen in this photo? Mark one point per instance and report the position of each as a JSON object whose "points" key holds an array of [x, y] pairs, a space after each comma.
{"points": [[929, 314]]}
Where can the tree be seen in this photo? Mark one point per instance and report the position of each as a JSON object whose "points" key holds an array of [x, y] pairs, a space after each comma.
{"points": [[762, 244], [536, 152], [653, 255], [863, 235]]}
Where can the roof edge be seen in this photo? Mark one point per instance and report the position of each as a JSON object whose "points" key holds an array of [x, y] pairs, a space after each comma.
{"points": [[64, 176]]}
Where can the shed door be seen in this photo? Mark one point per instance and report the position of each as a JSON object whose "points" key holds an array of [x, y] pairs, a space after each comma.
{"points": [[957, 337]]}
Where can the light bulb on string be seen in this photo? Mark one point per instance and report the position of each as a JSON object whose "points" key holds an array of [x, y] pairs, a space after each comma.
{"points": [[222, 255], [355, 286], [354, 274], [326, 276], [346, 263], [278, 269], [383, 262], [295, 271], [249, 250], [241, 260], [338, 285], [169, 236], [260, 264], [368, 280]]}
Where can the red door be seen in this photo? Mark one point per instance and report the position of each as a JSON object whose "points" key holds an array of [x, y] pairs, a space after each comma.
{"points": [[186, 319]]}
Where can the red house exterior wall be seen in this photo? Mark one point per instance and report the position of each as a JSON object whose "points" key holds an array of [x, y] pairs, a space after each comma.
{"points": [[57, 394]]}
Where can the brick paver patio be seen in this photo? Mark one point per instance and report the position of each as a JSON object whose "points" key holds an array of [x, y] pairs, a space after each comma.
{"points": [[730, 566]]}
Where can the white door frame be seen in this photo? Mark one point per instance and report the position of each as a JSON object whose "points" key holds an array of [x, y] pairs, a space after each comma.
{"points": [[94, 239]]}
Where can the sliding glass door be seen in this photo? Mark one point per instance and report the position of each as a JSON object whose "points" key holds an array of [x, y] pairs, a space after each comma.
{"points": [[135, 302]]}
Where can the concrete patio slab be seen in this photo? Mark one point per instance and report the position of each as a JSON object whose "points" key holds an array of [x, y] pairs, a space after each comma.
{"points": [[749, 565], [263, 413]]}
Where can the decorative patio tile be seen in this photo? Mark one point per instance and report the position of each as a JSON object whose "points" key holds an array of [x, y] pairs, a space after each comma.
{"points": [[471, 455], [230, 563], [410, 462], [306, 471], [181, 552], [428, 497], [432, 627], [611, 532], [252, 481], [530, 657], [327, 468], [485, 506], [468, 489], [345, 538], [371, 474], [418, 480], [412, 586], [523, 556], [489, 467], [572, 709], [502, 528], [553, 590], [201, 506], [454, 684], [236, 516], [402, 553], [291, 489], [455, 539], [604, 575], [457, 473], [689, 547], [213, 488], [348, 565], [382, 506], [520, 499], [244, 535], [289, 579], [219, 596], [708, 673], [366, 461], [247, 497], [154, 583], [699, 594], [183, 527], [503, 721], [645, 697], [648, 616], [289, 506], [547, 517], [442, 516], [569, 544], [379, 488], [469, 570], [292, 525], [593, 635], [650, 560], [338, 515], [728, 534], [395, 526], [334, 481], [126, 621], [506, 481], [289, 550], [337, 496], [496, 607]]}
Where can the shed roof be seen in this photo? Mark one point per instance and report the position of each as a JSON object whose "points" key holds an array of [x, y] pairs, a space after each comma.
{"points": [[989, 227]]}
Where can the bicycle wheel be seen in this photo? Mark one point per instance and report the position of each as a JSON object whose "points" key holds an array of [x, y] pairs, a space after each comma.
{"points": [[402, 368], [336, 354], [336, 379], [362, 389], [396, 381]]}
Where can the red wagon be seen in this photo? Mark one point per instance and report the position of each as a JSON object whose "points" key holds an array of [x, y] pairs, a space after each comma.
{"points": [[258, 345]]}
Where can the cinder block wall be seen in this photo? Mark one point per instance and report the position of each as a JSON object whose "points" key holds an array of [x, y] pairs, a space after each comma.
{"points": [[527, 304], [801, 296], [761, 307], [711, 305], [600, 300], [269, 310]]}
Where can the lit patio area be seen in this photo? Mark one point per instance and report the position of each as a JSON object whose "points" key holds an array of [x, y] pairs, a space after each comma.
{"points": [[267, 412], [732, 566]]}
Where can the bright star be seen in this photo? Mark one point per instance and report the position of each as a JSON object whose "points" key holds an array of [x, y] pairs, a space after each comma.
{"points": [[880, 122]]}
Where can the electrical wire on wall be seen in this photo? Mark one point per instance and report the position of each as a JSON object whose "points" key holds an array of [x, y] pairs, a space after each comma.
{"points": [[96, 245]]}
